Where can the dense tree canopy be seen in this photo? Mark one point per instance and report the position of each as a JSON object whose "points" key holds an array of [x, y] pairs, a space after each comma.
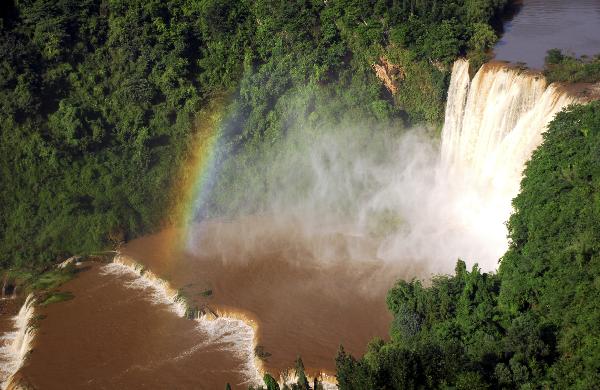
{"points": [[567, 68], [550, 273], [97, 102], [99, 98]]}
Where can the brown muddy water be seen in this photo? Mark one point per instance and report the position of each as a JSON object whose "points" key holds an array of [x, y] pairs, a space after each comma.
{"points": [[305, 294], [112, 336], [9, 307], [540, 25]]}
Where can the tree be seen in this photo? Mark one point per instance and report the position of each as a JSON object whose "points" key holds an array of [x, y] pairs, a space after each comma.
{"points": [[302, 381], [270, 382]]}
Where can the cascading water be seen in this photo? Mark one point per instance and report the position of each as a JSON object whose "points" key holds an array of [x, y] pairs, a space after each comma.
{"points": [[493, 124], [17, 344], [231, 334]]}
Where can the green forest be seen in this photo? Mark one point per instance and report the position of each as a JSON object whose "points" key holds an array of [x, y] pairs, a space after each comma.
{"points": [[99, 105], [99, 98]]}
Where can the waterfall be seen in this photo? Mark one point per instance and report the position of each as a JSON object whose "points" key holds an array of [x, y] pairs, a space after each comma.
{"points": [[493, 124], [17, 344]]}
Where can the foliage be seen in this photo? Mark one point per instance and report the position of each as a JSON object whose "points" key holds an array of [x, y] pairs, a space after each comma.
{"points": [[56, 296], [566, 68], [98, 110], [49, 280], [550, 272], [33, 280], [532, 325], [439, 335], [100, 98]]}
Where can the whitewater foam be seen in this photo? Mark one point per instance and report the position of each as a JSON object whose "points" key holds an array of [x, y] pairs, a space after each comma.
{"points": [[160, 291], [493, 123], [18, 343], [289, 378], [225, 332], [453, 202]]}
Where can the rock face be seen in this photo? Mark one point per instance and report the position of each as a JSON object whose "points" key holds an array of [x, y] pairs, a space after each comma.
{"points": [[389, 74]]}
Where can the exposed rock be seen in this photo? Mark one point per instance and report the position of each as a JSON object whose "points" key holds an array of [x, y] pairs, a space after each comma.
{"points": [[438, 65], [389, 74], [208, 313], [69, 261]]}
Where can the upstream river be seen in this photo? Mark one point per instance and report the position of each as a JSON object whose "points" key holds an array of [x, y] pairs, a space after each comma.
{"points": [[540, 25]]}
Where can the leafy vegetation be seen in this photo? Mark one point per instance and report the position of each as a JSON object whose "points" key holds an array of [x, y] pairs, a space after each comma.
{"points": [[318, 74], [97, 101], [532, 325], [550, 273], [99, 98], [566, 68], [56, 296], [46, 280], [44, 283]]}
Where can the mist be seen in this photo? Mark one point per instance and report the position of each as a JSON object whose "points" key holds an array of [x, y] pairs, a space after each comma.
{"points": [[367, 191], [358, 194]]}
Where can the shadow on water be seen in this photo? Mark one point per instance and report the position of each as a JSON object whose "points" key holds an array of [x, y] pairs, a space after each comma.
{"points": [[501, 23]]}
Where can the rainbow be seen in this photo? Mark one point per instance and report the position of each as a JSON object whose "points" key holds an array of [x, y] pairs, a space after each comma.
{"points": [[198, 168]]}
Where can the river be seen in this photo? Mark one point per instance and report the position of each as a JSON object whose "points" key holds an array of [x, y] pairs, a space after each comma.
{"points": [[117, 332], [112, 335], [540, 25]]}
